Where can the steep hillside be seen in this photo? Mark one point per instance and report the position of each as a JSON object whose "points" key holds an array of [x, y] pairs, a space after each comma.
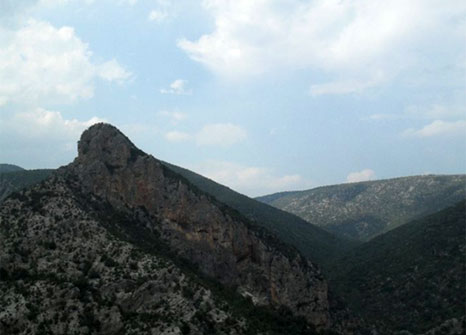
{"points": [[411, 278], [314, 242], [12, 181], [366, 209], [9, 168], [116, 242]]}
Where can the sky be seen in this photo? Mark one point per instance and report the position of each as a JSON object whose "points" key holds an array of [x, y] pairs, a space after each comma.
{"points": [[262, 96]]}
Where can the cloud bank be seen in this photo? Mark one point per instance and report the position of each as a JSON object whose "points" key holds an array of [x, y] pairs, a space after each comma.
{"points": [[358, 44]]}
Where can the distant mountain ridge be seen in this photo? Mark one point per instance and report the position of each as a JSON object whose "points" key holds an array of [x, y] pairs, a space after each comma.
{"points": [[364, 210], [17, 178], [9, 168]]}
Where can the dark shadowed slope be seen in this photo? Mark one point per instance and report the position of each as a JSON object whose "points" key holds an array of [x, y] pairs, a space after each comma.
{"points": [[366, 209], [12, 181], [412, 277], [314, 242]]}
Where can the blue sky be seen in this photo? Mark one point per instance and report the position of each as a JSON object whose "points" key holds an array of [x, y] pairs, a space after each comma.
{"points": [[262, 96]]}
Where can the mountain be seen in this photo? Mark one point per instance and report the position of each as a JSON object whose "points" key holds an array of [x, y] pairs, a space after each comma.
{"points": [[9, 168], [411, 278], [116, 242], [12, 180], [314, 242], [364, 210]]}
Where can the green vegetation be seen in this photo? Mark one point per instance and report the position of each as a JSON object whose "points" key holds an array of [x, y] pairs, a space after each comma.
{"points": [[364, 210], [128, 227], [15, 180], [313, 242], [9, 168], [411, 277]]}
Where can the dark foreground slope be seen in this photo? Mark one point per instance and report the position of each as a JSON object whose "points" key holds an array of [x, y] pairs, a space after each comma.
{"points": [[118, 243], [366, 209], [314, 242], [412, 277]]}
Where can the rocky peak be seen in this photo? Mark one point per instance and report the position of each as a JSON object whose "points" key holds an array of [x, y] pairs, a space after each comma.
{"points": [[104, 142], [223, 244]]}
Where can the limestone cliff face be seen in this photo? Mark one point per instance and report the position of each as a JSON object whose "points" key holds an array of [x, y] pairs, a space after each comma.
{"points": [[218, 240]]}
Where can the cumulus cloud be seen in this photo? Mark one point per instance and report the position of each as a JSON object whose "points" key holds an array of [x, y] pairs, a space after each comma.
{"points": [[250, 180], [439, 128], [163, 11], [220, 134], [363, 175], [177, 87], [42, 123], [45, 64], [41, 136], [113, 71], [363, 40]]}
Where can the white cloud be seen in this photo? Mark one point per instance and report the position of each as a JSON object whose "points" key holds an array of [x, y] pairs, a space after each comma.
{"points": [[40, 137], [220, 134], [45, 124], [363, 175], [46, 65], [177, 136], [177, 87], [250, 180], [360, 40], [157, 15], [439, 128], [113, 71]]}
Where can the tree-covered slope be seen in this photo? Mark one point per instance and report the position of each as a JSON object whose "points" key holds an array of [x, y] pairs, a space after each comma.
{"points": [[9, 168], [314, 242], [15, 180], [412, 277], [366, 209]]}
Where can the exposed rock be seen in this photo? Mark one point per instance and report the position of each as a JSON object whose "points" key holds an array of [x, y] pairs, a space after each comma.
{"points": [[217, 239], [107, 245]]}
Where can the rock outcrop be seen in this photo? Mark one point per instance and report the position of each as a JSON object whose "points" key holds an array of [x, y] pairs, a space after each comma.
{"points": [[116, 242], [215, 238]]}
